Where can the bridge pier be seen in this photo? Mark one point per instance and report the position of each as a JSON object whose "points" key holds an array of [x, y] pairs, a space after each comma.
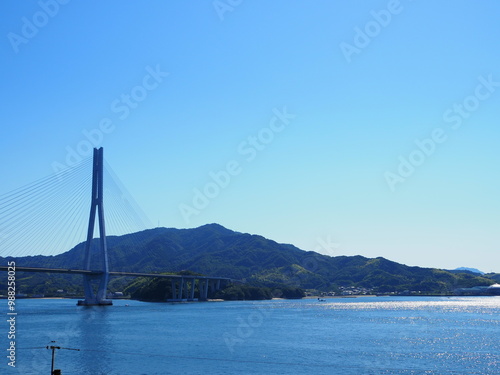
{"points": [[92, 298], [182, 291], [174, 290], [191, 295], [203, 285]]}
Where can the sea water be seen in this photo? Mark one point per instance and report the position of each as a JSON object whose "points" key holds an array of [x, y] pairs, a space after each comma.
{"points": [[368, 335]]}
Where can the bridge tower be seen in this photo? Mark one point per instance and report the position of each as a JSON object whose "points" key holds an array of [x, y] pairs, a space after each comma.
{"points": [[96, 295]]}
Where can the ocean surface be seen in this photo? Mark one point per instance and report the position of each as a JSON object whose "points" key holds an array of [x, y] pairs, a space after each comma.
{"points": [[369, 335]]}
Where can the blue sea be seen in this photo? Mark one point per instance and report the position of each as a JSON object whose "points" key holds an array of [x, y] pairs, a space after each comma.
{"points": [[368, 335]]}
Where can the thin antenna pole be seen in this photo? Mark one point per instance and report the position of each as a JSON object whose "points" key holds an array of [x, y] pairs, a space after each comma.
{"points": [[53, 348], [53, 358]]}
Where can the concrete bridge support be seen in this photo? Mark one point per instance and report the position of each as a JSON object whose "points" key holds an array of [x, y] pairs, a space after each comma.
{"points": [[203, 285], [183, 287], [174, 290], [191, 294]]}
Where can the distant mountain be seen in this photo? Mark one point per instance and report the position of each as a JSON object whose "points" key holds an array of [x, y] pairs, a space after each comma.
{"points": [[494, 276], [217, 251], [467, 269]]}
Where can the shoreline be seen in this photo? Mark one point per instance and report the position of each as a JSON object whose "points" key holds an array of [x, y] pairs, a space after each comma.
{"points": [[314, 298], [333, 297]]}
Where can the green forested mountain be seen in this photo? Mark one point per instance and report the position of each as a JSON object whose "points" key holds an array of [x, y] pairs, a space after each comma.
{"points": [[216, 251]]}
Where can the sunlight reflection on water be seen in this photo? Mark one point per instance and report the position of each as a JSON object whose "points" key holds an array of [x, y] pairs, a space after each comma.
{"points": [[459, 304]]}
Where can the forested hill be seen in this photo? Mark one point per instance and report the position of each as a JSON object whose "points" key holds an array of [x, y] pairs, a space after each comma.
{"points": [[216, 251]]}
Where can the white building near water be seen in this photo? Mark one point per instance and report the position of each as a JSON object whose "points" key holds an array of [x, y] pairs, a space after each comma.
{"points": [[494, 289], [479, 290]]}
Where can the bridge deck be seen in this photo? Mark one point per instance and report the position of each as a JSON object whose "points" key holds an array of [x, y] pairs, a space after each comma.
{"points": [[111, 273], [51, 270]]}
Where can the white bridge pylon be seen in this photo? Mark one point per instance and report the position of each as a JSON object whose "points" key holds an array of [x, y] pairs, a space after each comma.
{"points": [[92, 297]]}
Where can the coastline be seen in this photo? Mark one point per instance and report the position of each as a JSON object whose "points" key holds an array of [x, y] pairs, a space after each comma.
{"points": [[336, 297]]}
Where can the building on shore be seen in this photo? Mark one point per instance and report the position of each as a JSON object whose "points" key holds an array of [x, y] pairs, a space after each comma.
{"points": [[494, 289]]}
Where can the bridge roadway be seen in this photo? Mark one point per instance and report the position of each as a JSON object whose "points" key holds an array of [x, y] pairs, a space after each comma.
{"points": [[178, 291]]}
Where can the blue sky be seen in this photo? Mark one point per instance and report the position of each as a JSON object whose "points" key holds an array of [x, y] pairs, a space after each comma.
{"points": [[315, 110]]}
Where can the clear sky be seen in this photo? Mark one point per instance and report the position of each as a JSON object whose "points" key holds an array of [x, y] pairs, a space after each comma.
{"points": [[345, 127]]}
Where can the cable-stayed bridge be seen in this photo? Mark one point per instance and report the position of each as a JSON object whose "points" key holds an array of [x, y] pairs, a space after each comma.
{"points": [[50, 216]]}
